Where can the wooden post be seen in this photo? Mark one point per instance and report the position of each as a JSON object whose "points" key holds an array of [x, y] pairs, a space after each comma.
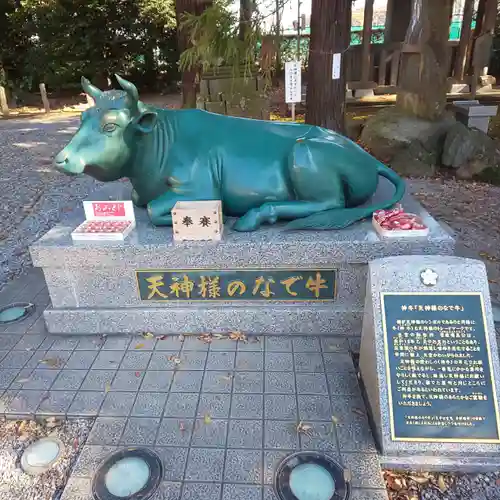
{"points": [[384, 56], [397, 20], [367, 40], [396, 57], [45, 100], [485, 23], [382, 67], [490, 16], [4, 107], [465, 40]]}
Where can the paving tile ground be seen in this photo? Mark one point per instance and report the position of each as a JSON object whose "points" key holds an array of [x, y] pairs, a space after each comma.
{"points": [[221, 419]]}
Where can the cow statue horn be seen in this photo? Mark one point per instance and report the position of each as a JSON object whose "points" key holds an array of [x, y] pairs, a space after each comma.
{"points": [[90, 89], [129, 88]]}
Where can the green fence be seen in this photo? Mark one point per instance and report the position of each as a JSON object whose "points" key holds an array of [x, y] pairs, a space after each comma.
{"points": [[378, 32]]}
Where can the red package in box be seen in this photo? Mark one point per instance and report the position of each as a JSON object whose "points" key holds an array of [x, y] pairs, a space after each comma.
{"points": [[396, 223], [106, 220]]}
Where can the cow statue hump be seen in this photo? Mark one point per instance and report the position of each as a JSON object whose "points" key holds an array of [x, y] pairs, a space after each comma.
{"points": [[262, 171]]}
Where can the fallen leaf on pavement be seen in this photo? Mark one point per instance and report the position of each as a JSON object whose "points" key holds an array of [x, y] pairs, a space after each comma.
{"points": [[21, 427], [335, 420], [441, 484], [207, 419], [51, 422], [487, 256], [52, 362], [147, 335], [358, 411], [347, 475], [238, 336], [139, 346], [218, 336], [303, 428], [107, 388], [395, 483], [205, 337], [175, 359], [420, 479]]}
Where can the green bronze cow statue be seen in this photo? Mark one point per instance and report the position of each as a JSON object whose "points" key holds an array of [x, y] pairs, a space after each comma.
{"points": [[262, 171]]}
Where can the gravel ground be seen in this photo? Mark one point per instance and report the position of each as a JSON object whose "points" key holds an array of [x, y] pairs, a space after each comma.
{"points": [[437, 486], [16, 436], [33, 196], [472, 210], [470, 487]]}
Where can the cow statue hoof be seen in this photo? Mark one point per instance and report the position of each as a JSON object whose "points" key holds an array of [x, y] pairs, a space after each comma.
{"points": [[254, 218], [262, 171]]}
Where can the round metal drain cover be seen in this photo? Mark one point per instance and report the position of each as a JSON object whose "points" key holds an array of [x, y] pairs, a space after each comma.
{"points": [[12, 313], [131, 473], [310, 475]]}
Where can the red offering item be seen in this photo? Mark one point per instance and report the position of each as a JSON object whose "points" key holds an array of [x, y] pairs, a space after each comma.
{"points": [[396, 222], [106, 221], [104, 230]]}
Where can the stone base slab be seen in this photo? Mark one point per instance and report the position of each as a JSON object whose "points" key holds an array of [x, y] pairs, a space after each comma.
{"points": [[251, 319], [441, 464], [93, 287]]}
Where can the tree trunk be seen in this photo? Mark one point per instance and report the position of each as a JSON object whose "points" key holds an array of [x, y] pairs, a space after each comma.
{"points": [[330, 34], [478, 30], [397, 20], [189, 85], [423, 80], [465, 41], [479, 57], [246, 8], [278, 39], [367, 41]]}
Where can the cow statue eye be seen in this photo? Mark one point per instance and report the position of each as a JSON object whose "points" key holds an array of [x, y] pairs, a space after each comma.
{"points": [[109, 127]]}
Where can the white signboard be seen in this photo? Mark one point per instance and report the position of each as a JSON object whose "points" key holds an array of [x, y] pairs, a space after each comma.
{"points": [[293, 82], [336, 66]]}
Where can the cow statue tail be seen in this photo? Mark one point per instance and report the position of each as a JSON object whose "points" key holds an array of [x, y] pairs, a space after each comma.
{"points": [[339, 218]]}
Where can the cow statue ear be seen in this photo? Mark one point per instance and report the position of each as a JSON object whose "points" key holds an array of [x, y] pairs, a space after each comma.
{"points": [[146, 121]]}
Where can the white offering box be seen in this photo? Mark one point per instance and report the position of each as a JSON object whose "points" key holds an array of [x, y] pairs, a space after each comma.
{"points": [[197, 220], [105, 221]]}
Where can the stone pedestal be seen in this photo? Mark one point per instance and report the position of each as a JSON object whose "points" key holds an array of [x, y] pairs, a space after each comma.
{"points": [[431, 376], [473, 114], [94, 289], [459, 88]]}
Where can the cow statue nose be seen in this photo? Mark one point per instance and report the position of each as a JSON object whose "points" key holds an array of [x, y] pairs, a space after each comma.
{"points": [[61, 158], [61, 162]]}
